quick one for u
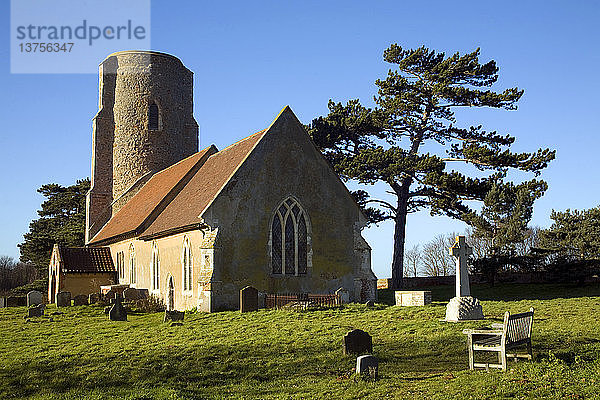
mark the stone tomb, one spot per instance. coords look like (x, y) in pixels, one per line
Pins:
(248, 299)
(358, 342)
(80, 300)
(408, 298)
(34, 298)
(63, 299)
(367, 365)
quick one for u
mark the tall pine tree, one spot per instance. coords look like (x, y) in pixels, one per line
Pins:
(415, 107)
(62, 221)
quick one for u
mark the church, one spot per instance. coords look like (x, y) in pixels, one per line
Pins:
(192, 226)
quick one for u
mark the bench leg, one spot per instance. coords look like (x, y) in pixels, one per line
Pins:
(502, 358)
(471, 355)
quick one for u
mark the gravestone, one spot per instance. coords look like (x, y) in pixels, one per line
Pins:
(248, 299)
(462, 307)
(16, 301)
(36, 310)
(370, 303)
(2, 302)
(367, 365)
(343, 296)
(143, 293)
(93, 298)
(408, 298)
(357, 342)
(117, 311)
(80, 300)
(63, 299)
(174, 315)
(110, 296)
(131, 294)
(34, 298)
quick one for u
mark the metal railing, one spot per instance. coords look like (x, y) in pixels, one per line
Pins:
(276, 300)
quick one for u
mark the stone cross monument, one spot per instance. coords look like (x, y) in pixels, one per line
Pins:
(460, 250)
(462, 307)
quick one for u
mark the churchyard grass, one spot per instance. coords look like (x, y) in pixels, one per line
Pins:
(81, 354)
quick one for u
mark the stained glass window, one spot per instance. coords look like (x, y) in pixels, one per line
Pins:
(290, 246)
(302, 246)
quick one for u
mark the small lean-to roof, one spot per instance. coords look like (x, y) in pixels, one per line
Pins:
(175, 197)
(86, 259)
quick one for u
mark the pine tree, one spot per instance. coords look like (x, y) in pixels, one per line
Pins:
(62, 221)
(414, 113)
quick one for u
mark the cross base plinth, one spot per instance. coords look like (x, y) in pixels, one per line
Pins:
(463, 309)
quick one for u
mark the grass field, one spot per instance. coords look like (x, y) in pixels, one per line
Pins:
(297, 354)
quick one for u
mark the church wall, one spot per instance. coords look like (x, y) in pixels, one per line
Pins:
(285, 162)
(170, 251)
(85, 283)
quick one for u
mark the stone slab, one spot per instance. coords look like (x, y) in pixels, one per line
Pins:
(367, 365)
(63, 299)
(16, 301)
(411, 298)
(80, 300)
(34, 298)
(248, 299)
(358, 342)
(36, 311)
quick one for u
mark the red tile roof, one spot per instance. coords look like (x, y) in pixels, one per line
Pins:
(86, 259)
(176, 196)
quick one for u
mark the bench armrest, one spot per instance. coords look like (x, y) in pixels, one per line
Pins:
(482, 332)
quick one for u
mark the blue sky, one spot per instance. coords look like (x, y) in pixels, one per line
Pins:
(252, 58)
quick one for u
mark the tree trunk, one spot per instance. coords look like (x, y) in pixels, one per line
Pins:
(399, 238)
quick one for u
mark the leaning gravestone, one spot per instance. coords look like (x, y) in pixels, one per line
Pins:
(117, 311)
(131, 294)
(357, 342)
(462, 307)
(343, 295)
(34, 298)
(367, 365)
(174, 315)
(36, 310)
(63, 299)
(80, 300)
(248, 299)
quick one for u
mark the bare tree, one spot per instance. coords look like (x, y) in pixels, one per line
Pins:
(436, 259)
(14, 274)
(412, 261)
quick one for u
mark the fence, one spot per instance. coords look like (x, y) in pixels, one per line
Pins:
(321, 300)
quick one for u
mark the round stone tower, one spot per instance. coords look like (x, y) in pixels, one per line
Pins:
(145, 124)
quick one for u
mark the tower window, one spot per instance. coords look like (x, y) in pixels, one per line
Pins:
(153, 117)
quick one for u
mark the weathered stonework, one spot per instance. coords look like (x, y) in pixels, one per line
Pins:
(125, 150)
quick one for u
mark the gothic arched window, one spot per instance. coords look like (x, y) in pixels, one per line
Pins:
(153, 116)
(186, 262)
(289, 239)
(155, 268)
(132, 266)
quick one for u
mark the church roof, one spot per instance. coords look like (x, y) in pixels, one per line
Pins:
(86, 259)
(176, 197)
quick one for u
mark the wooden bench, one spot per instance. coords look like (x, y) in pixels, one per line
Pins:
(515, 332)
